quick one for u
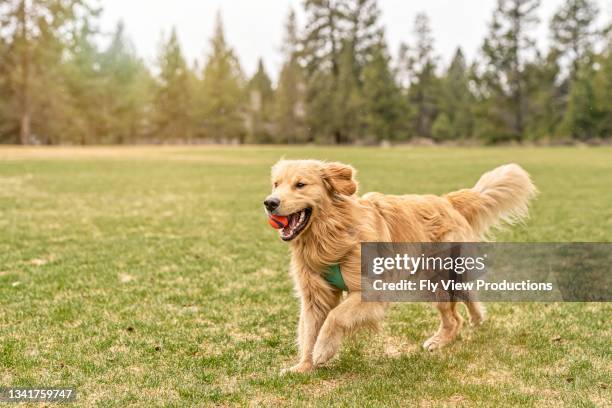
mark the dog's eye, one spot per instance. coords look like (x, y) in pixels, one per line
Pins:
(300, 185)
(275, 185)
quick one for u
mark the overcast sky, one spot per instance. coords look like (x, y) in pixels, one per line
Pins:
(254, 28)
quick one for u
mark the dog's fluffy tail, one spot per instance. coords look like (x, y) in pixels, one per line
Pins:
(501, 195)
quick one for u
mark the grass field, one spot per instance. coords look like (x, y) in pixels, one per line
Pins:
(149, 277)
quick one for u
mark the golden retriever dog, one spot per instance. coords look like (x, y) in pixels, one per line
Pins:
(327, 221)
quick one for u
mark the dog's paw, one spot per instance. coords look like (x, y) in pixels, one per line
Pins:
(477, 316)
(477, 321)
(322, 354)
(436, 342)
(298, 368)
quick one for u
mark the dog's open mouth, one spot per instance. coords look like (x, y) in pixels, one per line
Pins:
(297, 223)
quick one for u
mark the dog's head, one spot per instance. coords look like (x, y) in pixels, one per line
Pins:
(303, 190)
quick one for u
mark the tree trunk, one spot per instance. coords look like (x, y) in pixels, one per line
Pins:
(520, 128)
(25, 120)
(24, 128)
(338, 139)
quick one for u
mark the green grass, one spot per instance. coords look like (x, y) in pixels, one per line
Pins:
(149, 277)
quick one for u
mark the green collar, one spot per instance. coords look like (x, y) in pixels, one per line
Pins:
(334, 277)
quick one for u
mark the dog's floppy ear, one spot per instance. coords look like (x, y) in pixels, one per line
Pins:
(340, 178)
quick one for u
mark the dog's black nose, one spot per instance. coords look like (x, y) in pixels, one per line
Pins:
(271, 203)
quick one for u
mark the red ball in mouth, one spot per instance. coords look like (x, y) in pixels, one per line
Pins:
(278, 221)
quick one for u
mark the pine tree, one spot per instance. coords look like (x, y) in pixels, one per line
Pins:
(546, 102)
(320, 55)
(289, 110)
(85, 84)
(603, 88)
(420, 63)
(582, 114)
(338, 42)
(261, 100)
(573, 32)
(323, 35)
(491, 118)
(127, 91)
(364, 33)
(222, 97)
(35, 32)
(506, 50)
(361, 44)
(347, 100)
(173, 98)
(109, 91)
(383, 101)
(456, 103)
(7, 127)
(589, 110)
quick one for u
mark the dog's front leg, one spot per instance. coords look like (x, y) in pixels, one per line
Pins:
(317, 298)
(312, 317)
(351, 314)
(310, 323)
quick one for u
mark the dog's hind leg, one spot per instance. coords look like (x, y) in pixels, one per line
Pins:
(348, 316)
(450, 324)
(476, 310)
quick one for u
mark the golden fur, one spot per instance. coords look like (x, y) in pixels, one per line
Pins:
(341, 220)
